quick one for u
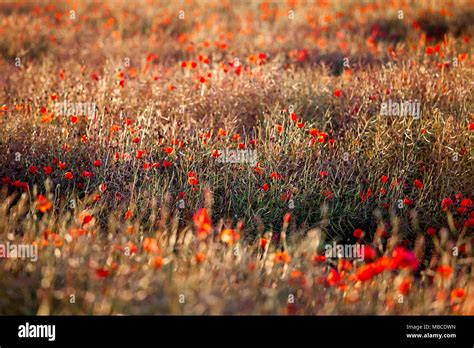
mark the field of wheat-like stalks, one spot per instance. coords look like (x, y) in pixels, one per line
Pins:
(236, 157)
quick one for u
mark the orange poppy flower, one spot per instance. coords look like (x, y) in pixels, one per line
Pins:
(43, 204)
(445, 271)
(333, 278)
(150, 245)
(216, 153)
(157, 262)
(366, 272)
(358, 233)
(404, 286)
(229, 236)
(446, 203)
(282, 257)
(200, 257)
(47, 118)
(457, 294)
(193, 181)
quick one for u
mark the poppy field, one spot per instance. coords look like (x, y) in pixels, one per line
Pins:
(236, 157)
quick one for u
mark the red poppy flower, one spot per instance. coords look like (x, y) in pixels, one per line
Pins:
(358, 233)
(68, 175)
(275, 176)
(446, 203)
(102, 273)
(369, 253)
(328, 194)
(200, 257)
(366, 272)
(404, 286)
(333, 278)
(193, 181)
(86, 219)
(157, 262)
(215, 153)
(313, 132)
(337, 93)
(431, 231)
(444, 271)
(43, 204)
(47, 170)
(466, 203)
(322, 137)
(282, 257)
(150, 245)
(365, 196)
(168, 150)
(457, 294)
(33, 169)
(203, 223)
(403, 258)
(229, 236)
(265, 187)
(319, 258)
(384, 263)
(418, 184)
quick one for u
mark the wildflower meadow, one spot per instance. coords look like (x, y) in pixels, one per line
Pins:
(216, 157)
